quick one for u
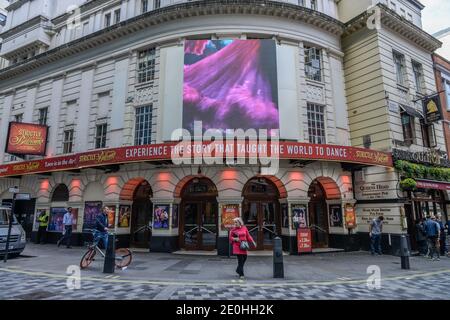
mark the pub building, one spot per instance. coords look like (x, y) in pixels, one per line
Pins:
(114, 84)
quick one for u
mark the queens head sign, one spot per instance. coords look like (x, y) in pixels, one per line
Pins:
(26, 139)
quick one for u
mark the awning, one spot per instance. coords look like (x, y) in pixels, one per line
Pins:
(412, 112)
(430, 184)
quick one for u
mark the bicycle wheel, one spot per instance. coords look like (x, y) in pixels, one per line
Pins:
(87, 258)
(123, 258)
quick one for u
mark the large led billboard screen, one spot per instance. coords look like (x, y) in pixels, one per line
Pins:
(230, 84)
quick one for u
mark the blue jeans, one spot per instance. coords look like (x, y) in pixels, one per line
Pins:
(375, 244)
(101, 236)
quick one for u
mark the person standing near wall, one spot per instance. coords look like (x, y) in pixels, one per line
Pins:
(421, 238)
(375, 232)
(432, 229)
(67, 222)
(240, 239)
(442, 237)
(43, 219)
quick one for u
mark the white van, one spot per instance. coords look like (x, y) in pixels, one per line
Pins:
(17, 240)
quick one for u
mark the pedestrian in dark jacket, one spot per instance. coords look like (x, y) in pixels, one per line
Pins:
(421, 238)
(101, 227)
(443, 236)
(238, 235)
(432, 229)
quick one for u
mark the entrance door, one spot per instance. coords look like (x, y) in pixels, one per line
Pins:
(318, 218)
(141, 223)
(261, 219)
(200, 220)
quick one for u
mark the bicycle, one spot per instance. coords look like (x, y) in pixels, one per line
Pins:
(123, 255)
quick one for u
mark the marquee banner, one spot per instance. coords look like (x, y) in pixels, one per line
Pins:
(205, 150)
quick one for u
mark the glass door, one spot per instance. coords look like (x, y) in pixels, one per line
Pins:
(191, 227)
(319, 224)
(141, 228)
(261, 221)
(269, 224)
(208, 226)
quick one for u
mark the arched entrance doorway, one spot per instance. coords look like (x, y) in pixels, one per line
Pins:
(199, 215)
(141, 216)
(260, 211)
(321, 190)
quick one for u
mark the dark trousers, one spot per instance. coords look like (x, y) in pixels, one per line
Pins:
(422, 246)
(67, 236)
(41, 236)
(443, 243)
(375, 244)
(241, 262)
(432, 246)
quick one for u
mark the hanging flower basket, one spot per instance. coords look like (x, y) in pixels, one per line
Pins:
(408, 185)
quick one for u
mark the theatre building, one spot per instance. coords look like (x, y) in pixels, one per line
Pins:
(94, 99)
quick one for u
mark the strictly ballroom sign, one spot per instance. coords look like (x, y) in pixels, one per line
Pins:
(201, 153)
(26, 139)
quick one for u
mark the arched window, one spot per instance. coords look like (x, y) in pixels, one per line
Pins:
(60, 194)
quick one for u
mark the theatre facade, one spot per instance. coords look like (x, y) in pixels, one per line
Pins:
(111, 117)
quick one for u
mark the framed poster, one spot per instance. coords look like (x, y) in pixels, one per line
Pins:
(91, 210)
(335, 212)
(299, 216)
(111, 217)
(124, 216)
(74, 219)
(175, 216)
(161, 216)
(285, 215)
(56, 219)
(229, 212)
(350, 216)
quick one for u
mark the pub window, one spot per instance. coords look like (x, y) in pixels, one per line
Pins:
(428, 135)
(143, 129)
(447, 92)
(146, 65)
(43, 114)
(408, 127)
(400, 68)
(418, 76)
(316, 123)
(313, 63)
(100, 136)
(68, 141)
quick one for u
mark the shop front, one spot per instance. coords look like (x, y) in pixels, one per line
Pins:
(158, 206)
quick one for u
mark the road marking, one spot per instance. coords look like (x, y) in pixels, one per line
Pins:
(221, 284)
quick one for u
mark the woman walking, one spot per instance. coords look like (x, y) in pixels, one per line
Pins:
(240, 239)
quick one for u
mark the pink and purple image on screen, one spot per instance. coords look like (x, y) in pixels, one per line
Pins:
(230, 84)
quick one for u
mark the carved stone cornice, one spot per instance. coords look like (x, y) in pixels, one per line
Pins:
(175, 13)
(393, 21)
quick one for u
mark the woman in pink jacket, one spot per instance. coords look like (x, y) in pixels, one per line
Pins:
(237, 235)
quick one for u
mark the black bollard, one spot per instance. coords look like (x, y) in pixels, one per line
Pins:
(110, 255)
(404, 253)
(278, 267)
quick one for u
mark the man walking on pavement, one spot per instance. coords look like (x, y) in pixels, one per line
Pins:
(67, 222)
(442, 237)
(375, 231)
(432, 229)
(41, 236)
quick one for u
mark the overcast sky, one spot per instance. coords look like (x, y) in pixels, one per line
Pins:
(436, 15)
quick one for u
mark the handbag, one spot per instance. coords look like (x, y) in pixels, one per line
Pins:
(244, 245)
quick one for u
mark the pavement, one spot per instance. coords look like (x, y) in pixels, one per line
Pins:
(43, 272)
